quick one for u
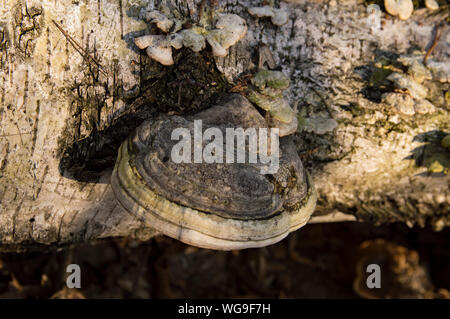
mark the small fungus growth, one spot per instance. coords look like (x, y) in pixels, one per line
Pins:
(267, 93)
(222, 33)
(278, 17)
(401, 8)
(438, 71)
(432, 4)
(415, 95)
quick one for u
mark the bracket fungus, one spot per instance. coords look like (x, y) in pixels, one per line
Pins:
(230, 28)
(215, 205)
(438, 71)
(162, 22)
(402, 81)
(225, 31)
(401, 8)
(267, 93)
(277, 16)
(413, 91)
(157, 48)
(432, 4)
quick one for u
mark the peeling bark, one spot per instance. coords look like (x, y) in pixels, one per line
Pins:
(73, 86)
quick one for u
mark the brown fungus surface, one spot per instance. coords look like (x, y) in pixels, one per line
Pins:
(218, 206)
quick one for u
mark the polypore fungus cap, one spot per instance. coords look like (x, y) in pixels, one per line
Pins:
(273, 79)
(162, 21)
(161, 54)
(145, 41)
(158, 48)
(402, 8)
(278, 16)
(193, 40)
(432, 4)
(268, 95)
(402, 81)
(276, 106)
(285, 129)
(230, 28)
(233, 23)
(219, 206)
(217, 39)
(176, 40)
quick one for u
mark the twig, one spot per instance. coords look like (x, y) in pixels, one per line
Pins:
(17, 134)
(437, 36)
(86, 56)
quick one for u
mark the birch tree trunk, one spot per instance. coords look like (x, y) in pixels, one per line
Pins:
(73, 86)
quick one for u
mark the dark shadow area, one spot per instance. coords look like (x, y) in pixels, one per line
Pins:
(85, 159)
(318, 261)
(375, 75)
(192, 84)
(432, 155)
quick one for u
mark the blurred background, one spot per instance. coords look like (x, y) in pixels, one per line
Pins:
(318, 261)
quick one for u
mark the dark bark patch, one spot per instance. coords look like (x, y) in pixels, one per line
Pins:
(27, 23)
(88, 146)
